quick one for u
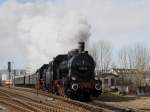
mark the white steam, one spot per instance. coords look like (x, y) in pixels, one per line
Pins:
(44, 37)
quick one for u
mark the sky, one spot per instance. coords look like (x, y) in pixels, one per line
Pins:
(32, 32)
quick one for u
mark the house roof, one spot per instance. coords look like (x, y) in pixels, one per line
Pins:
(118, 71)
(107, 75)
(121, 71)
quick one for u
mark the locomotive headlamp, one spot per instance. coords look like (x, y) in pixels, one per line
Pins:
(73, 78)
(97, 86)
(96, 78)
(74, 86)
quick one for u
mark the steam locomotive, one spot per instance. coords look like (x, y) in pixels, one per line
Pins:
(70, 75)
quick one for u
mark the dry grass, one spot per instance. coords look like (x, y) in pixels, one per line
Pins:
(138, 102)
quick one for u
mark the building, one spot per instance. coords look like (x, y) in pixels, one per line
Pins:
(108, 79)
(147, 78)
(126, 80)
(132, 76)
(132, 81)
(126, 76)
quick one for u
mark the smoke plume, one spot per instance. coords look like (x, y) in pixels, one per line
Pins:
(45, 37)
(38, 31)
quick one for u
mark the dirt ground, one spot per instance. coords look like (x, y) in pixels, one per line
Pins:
(5, 108)
(137, 102)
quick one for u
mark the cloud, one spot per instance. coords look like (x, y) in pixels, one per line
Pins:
(43, 27)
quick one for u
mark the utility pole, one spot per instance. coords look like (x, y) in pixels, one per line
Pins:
(37, 83)
(14, 78)
(9, 70)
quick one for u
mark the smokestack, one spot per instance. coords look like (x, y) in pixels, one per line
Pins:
(81, 46)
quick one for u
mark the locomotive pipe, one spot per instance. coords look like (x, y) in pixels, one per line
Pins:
(81, 46)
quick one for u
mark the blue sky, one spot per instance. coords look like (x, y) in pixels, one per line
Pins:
(1, 1)
(121, 22)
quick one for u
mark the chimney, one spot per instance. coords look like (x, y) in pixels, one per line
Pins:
(81, 46)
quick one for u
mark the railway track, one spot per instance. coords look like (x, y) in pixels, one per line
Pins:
(30, 103)
(8, 101)
(94, 106)
(25, 101)
(76, 105)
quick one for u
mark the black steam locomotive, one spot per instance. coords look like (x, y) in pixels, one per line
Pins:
(71, 75)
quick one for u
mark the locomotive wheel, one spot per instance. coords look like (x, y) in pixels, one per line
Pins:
(61, 91)
(67, 92)
(55, 90)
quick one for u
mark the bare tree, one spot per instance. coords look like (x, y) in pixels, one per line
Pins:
(126, 58)
(135, 57)
(101, 51)
(141, 57)
(123, 58)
